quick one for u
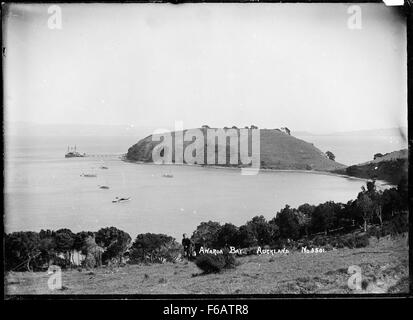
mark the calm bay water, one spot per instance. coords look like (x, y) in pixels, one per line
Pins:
(44, 190)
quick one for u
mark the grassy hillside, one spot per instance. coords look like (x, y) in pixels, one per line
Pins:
(391, 167)
(384, 266)
(278, 150)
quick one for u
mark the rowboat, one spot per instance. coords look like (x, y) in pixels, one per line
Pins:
(118, 200)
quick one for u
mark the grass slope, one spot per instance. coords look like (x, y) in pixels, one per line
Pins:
(392, 167)
(384, 265)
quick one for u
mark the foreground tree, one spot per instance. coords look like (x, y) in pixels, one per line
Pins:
(114, 241)
(228, 235)
(305, 212)
(287, 222)
(366, 206)
(263, 231)
(151, 247)
(65, 240)
(325, 216)
(247, 236)
(206, 234)
(21, 248)
(47, 246)
(80, 240)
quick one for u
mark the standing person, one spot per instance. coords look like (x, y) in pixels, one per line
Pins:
(186, 243)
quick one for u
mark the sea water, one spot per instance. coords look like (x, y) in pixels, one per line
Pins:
(44, 190)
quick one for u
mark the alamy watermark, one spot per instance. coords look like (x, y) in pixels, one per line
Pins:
(209, 146)
(354, 21)
(355, 280)
(55, 17)
(55, 279)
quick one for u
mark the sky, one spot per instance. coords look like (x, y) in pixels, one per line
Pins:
(149, 65)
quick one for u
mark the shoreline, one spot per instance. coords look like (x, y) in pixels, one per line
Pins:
(381, 183)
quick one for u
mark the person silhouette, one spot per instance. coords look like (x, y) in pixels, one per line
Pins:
(186, 243)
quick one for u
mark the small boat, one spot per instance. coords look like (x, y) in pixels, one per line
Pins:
(103, 187)
(88, 175)
(167, 175)
(118, 200)
(103, 167)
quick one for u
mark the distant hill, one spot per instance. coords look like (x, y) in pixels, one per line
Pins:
(384, 132)
(391, 167)
(278, 151)
(29, 129)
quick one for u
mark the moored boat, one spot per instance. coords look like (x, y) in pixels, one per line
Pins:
(118, 200)
(88, 175)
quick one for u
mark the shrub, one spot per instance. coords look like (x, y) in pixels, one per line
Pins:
(328, 247)
(169, 252)
(230, 261)
(320, 241)
(337, 242)
(361, 241)
(397, 225)
(210, 263)
(250, 251)
(89, 262)
(281, 244)
(352, 241)
(374, 232)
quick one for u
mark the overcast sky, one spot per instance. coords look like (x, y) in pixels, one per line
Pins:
(270, 65)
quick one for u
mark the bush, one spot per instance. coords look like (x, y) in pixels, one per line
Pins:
(395, 226)
(338, 242)
(250, 251)
(328, 247)
(89, 262)
(210, 263)
(374, 232)
(361, 241)
(281, 244)
(352, 241)
(320, 241)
